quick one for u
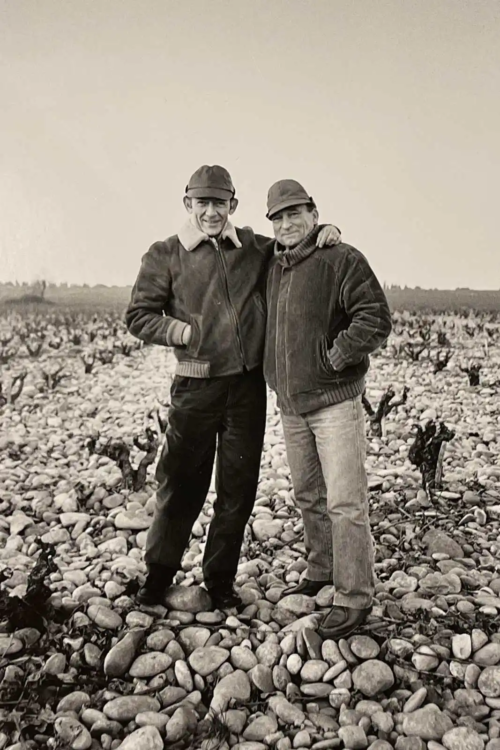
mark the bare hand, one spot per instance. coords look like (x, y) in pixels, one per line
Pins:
(328, 236)
(186, 335)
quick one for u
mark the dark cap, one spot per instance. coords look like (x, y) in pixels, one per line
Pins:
(286, 193)
(211, 182)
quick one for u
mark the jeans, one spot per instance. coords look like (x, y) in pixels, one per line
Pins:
(221, 417)
(326, 452)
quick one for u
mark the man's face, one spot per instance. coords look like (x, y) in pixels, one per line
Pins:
(292, 225)
(210, 214)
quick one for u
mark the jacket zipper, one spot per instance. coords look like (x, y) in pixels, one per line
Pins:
(287, 379)
(230, 304)
(281, 328)
(276, 357)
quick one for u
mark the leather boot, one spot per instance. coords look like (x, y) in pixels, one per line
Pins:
(340, 622)
(158, 579)
(224, 596)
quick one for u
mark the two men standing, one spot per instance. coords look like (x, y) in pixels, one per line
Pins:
(203, 292)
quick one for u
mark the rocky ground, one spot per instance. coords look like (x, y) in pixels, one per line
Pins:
(82, 667)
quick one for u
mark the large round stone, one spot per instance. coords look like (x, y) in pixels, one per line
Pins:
(373, 677)
(489, 682)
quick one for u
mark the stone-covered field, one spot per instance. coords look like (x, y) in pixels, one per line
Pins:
(82, 409)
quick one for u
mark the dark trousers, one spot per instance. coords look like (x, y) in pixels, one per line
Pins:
(209, 417)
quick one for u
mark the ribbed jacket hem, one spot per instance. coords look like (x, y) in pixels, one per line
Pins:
(189, 368)
(303, 403)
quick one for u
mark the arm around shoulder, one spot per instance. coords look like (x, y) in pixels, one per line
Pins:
(263, 244)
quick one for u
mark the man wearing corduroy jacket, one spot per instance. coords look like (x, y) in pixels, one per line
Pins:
(201, 292)
(326, 314)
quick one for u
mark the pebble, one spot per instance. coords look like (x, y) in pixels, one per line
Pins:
(181, 725)
(9, 645)
(233, 686)
(373, 677)
(478, 639)
(150, 664)
(104, 617)
(150, 718)
(428, 723)
(265, 529)
(489, 682)
(144, 738)
(488, 655)
(188, 599)
(262, 677)
(415, 700)
(298, 604)
(205, 660)
(268, 653)
(183, 675)
(462, 738)
(364, 647)
(313, 670)
(288, 713)
(55, 664)
(261, 727)
(74, 701)
(439, 541)
(132, 521)
(126, 707)
(72, 733)
(461, 645)
(121, 655)
(425, 659)
(353, 737)
(193, 637)
(243, 658)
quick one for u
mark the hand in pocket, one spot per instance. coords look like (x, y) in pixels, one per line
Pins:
(186, 335)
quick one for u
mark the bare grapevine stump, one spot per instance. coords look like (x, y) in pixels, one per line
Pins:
(425, 452)
(472, 372)
(386, 405)
(441, 361)
(118, 451)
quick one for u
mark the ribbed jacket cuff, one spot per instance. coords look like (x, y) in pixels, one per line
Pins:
(336, 359)
(175, 331)
(193, 369)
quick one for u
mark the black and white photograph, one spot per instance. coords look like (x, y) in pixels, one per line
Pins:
(249, 375)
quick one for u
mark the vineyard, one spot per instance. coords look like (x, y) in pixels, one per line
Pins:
(83, 409)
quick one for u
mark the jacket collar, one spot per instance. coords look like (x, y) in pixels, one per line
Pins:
(190, 236)
(302, 250)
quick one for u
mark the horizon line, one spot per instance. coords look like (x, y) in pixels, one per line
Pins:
(74, 285)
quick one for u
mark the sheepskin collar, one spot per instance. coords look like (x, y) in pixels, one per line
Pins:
(190, 236)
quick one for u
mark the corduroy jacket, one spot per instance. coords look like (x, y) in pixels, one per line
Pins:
(217, 287)
(326, 313)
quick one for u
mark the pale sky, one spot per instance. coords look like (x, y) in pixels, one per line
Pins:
(388, 111)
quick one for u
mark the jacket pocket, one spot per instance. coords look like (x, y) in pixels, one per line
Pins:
(193, 348)
(324, 358)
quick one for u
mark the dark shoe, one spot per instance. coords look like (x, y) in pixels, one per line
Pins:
(306, 588)
(340, 622)
(155, 586)
(224, 597)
